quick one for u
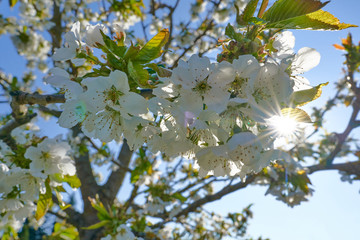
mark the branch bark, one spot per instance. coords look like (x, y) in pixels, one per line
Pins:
(349, 168)
(114, 182)
(35, 98)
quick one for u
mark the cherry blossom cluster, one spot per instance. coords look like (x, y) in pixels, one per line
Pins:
(28, 172)
(216, 113)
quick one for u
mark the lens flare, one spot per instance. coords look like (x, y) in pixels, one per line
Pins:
(283, 126)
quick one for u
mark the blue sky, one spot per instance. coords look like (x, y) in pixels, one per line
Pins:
(334, 211)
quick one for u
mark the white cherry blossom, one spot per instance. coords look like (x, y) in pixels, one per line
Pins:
(50, 157)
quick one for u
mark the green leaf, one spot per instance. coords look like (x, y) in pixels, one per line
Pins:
(300, 180)
(73, 181)
(44, 202)
(139, 226)
(114, 61)
(249, 10)
(12, 3)
(296, 114)
(98, 225)
(230, 32)
(180, 197)
(303, 97)
(112, 47)
(319, 20)
(131, 52)
(144, 167)
(138, 74)
(263, 7)
(257, 21)
(152, 49)
(162, 72)
(64, 232)
(99, 207)
(285, 9)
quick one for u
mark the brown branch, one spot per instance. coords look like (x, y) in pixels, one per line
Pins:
(114, 182)
(12, 124)
(5, 131)
(349, 167)
(57, 29)
(344, 135)
(35, 98)
(131, 198)
(210, 198)
(52, 112)
(171, 28)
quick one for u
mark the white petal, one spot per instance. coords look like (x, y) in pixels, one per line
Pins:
(242, 139)
(120, 80)
(132, 103)
(62, 54)
(305, 59)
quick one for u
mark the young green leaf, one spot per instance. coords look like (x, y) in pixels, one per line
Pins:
(12, 3)
(303, 97)
(162, 72)
(319, 20)
(263, 7)
(230, 32)
(98, 225)
(152, 49)
(99, 207)
(296, 114)
(138, 74)
(249, 10)
(73, 181)
(44, 202)
(285, 9)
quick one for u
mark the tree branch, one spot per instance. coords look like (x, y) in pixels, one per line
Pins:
(35, 98)
(210, 198)
(116, 178)
(349, 167)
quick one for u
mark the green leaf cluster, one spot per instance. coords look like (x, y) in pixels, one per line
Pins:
(291, 14)
(133, 60)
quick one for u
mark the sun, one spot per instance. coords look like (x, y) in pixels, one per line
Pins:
(283, 126)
